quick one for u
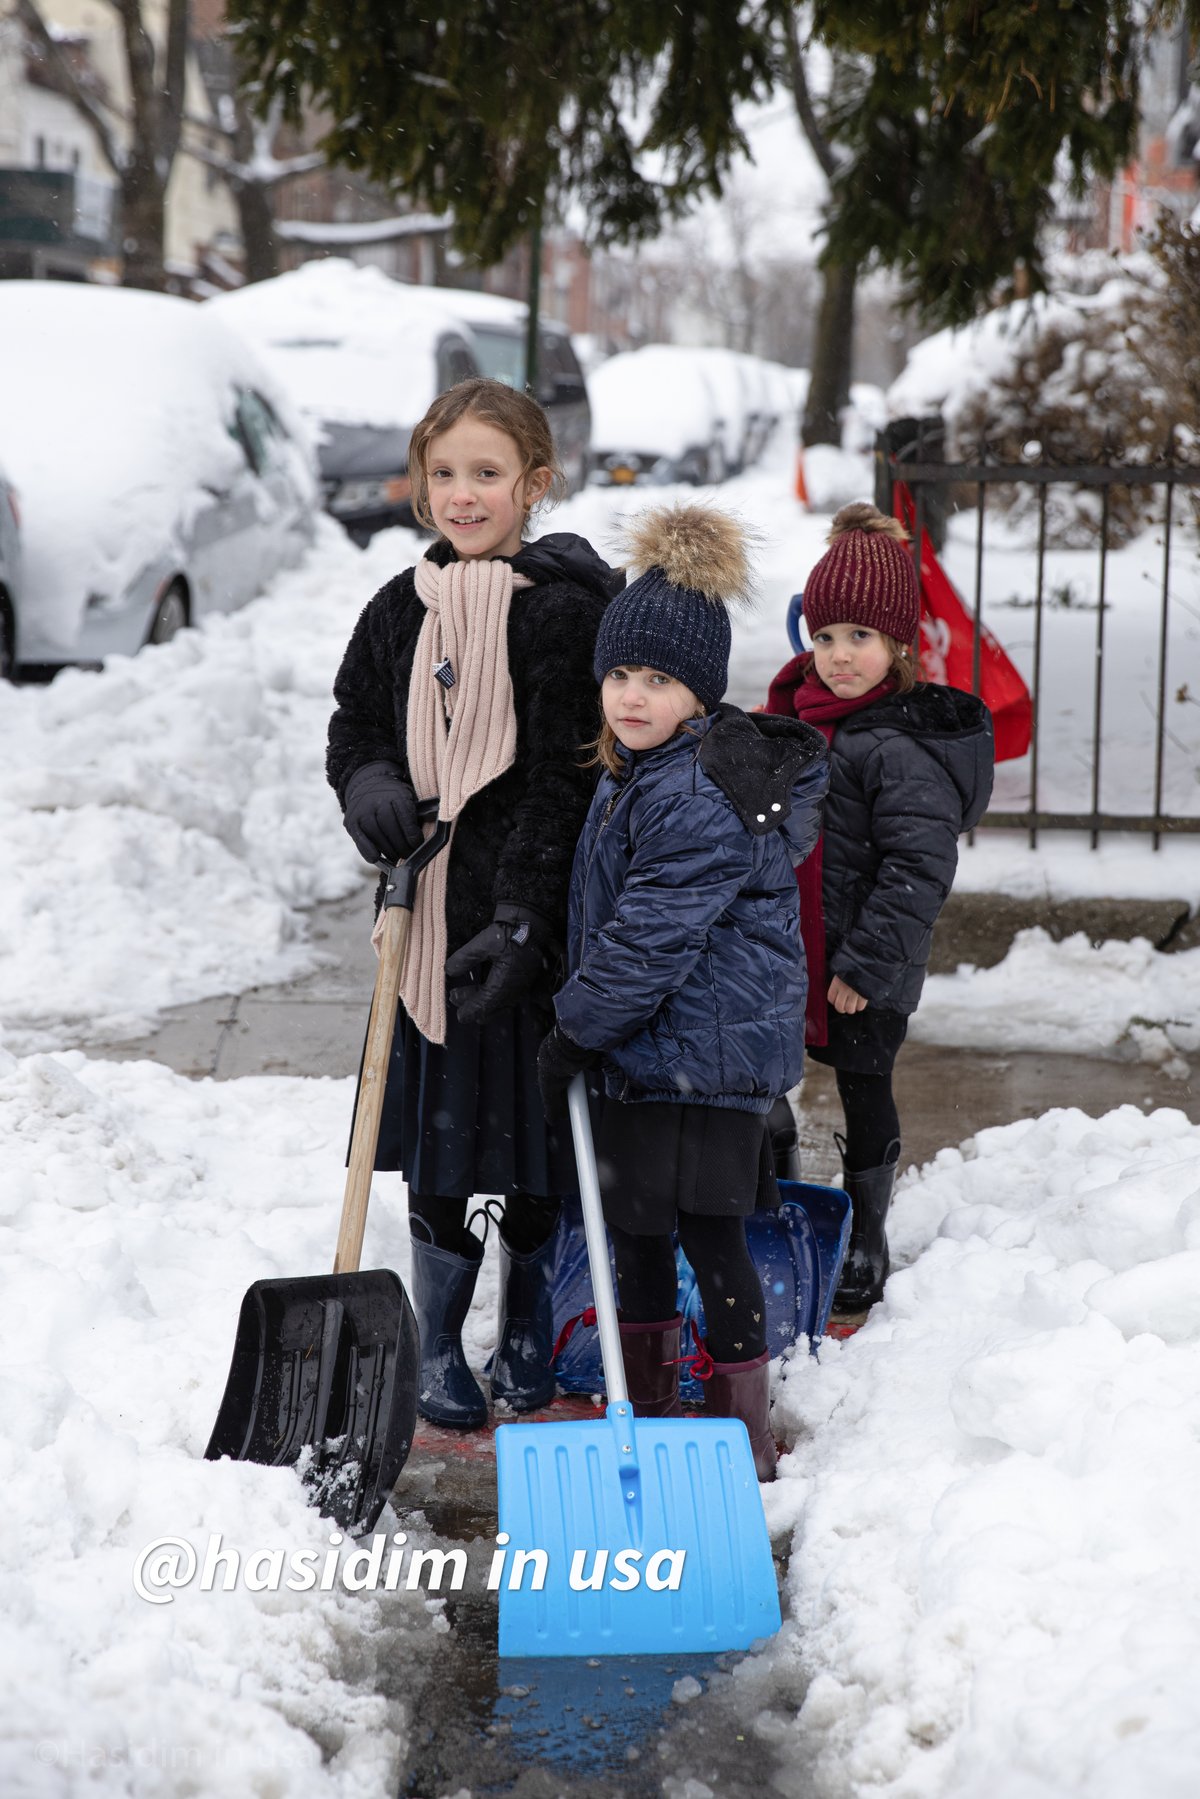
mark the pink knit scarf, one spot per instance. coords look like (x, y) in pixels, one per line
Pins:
(460, 738)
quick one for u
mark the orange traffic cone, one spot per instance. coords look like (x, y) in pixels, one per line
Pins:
(801, 489)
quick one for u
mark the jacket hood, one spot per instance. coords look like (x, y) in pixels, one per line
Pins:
(953, 726)
(756, 760)
(561, 556)
(564, 556)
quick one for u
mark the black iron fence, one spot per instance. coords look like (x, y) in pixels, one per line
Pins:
(942, 490)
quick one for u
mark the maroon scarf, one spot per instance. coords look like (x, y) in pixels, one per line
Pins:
(797, 692)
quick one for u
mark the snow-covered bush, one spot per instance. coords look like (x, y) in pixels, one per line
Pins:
(1107, 374)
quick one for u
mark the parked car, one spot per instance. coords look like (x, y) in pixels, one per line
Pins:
(160, 472)
(655, 418)
(499, 328)
(362, 356)
(10, 574)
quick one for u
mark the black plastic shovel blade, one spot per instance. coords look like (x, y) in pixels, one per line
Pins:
(326, 1364)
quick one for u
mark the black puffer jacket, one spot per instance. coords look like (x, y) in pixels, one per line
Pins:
(515, 840)
(906, 776)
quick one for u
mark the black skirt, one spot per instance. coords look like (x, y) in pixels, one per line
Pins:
(656, 1159)
(466, 1117)
(865, 1042)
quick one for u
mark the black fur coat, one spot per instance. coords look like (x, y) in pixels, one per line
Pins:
(515, 840)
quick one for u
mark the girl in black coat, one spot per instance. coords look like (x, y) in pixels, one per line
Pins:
(910, 769)
(470, 677)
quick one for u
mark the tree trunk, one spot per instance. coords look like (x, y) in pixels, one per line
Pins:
(832, 356)
(143, 219)
(256, 219)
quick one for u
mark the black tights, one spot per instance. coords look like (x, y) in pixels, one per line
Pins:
(872, 1121)
(528, 1221)
(734, 1310)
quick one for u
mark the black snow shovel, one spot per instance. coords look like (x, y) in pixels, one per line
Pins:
(325, 1367)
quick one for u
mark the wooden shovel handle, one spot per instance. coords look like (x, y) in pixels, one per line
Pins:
(371, 1087)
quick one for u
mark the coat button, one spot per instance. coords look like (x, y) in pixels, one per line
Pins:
(762, 818)
(777, 807)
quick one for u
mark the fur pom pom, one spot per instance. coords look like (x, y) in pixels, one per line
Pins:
(862, 516)
(696, 547)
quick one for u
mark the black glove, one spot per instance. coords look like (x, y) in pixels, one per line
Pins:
(517, 944)
(560, 1059)
(380, 813)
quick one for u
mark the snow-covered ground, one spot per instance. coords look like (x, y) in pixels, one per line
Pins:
(166, 822)
(992, 1575)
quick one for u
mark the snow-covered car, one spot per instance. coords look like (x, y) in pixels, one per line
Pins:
(362, 356)
(655, 418)
(158, 473)
(498, 329)
(729, 383)
(10, 574)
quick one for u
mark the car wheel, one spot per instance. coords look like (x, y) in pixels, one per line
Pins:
(170, 615)
(8, 659)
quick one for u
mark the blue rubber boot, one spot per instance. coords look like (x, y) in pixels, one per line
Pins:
(522, 1374)
(443, 1283)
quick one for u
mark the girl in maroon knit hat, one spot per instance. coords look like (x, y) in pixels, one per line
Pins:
(910, 768)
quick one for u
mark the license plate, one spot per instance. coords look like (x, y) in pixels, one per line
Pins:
(622, 475)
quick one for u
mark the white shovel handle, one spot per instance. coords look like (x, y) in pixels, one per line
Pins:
(597, 1244)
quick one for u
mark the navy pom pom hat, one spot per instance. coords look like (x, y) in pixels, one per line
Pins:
(866, 577)
(673, 617)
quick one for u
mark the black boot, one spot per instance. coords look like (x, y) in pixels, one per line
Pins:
(785, 1140)
(866, 1266)
(522, 1374)
(442, 1284)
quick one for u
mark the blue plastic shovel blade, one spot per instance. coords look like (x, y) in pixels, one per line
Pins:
(826, 1212)
(632, 1536)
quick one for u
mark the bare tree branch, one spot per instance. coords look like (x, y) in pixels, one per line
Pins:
(84, 103)
(805, 110)
(143, 92)
(172, 100)
(248, 174)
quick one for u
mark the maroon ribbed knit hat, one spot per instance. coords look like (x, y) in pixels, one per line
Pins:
(866, 577)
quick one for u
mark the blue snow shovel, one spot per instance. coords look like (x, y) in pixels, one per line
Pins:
(636, 1535)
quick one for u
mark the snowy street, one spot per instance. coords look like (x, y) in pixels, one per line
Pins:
(985, 1518)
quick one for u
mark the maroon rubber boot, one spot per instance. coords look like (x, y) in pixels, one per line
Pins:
(743, 1390)
(650, 1353)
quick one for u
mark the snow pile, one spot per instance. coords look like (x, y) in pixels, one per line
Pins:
(993, 1584)
(115, 429)
(1126, 1000)
(164, 821)
(348, 343)
(833, 478)
(136, 1208)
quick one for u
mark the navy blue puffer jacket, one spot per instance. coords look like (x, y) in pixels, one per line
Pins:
(686, 963)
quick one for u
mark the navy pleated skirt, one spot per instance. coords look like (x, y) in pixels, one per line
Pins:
(466, 1117)
(656, 1159)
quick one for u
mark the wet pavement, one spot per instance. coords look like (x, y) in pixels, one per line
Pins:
(315, 1026)
(617, 1728)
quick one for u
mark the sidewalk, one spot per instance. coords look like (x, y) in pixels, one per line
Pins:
(315, 1026)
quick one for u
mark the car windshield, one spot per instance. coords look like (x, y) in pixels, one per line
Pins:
(500, 354)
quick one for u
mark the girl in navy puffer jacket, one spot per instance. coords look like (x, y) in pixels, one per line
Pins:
(687, 974)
